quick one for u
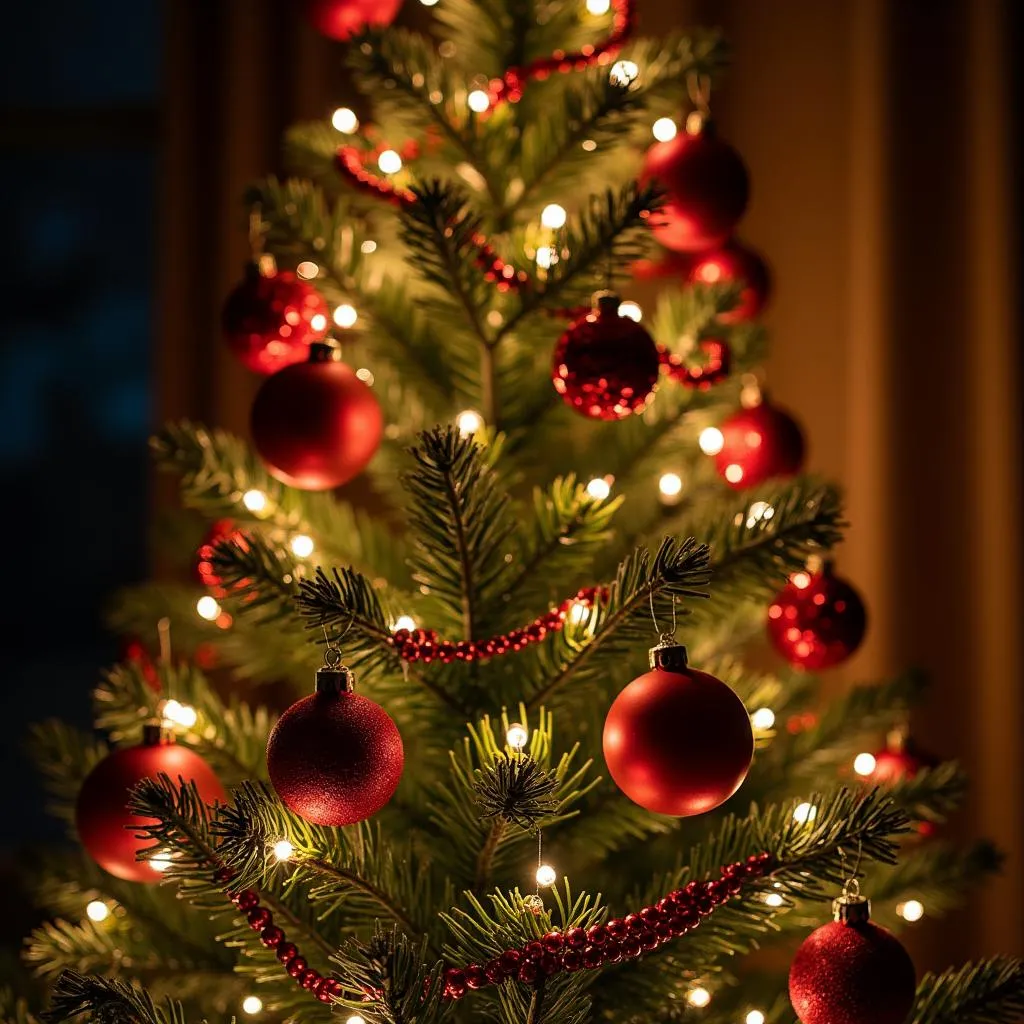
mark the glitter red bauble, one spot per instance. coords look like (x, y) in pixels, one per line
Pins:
(734, 262)
(341, 19)
(816, 621)
(269, 320)
(678, 742)
(335, 758)
(605, 365)
(856, 973)
(101, 812)
(316, 425)
(706, 185)
(758, 444)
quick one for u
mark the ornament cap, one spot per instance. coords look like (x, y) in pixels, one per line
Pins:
(155, 735)
(335, 679)
(668, 656)
(851, 909)
(607, 303)
(325, 351)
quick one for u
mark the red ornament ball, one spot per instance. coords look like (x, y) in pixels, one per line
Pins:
(817, 621)
(316, 425)
(758, 444)
(678, 741)
(101, 812)
(852, 973)
(269, 320)
(734, 262)
(707, 189)
(605, 365)
(221, 530)
(335, 757)
(341, 19)
(901, 759)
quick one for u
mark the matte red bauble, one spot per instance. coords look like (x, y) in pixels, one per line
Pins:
(707, 189)
(817, 621)
(852, 972)
(340, 19)
(677, 741)
(758, 444)
(101, 812)
(335, 757)
(735, 262)
(269, 320)
(316, 425)
(606, 365)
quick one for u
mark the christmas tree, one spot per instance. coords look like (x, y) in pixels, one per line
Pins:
(493, 805)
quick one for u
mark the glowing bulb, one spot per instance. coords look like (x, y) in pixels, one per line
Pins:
(345, 120)
(254, 501)
(389, 162)
(754, 1017)
(283, 849)
(664, 129)
(800, 580)
(307, 270)
(670, 484)
(599, 488)
(734, 472)
(405, 622)
(598, 7)
(318, 322)
(97, 911)
(588, 145)
(577, 612)
(161, 862)
(805, 813)
(365, 376)
(698, 997)
(516, 736)
(912, 910)
(302, 546)
(624, 72)
(763, 718)
(546, 257)
(426, 3)
(773, 899)
(546, 875)
(469, 421)
(864, 764)
(355, 1018)
(478, 101)
(368, 246)
(759, 511)
(345, 315)
(553, 216)
(207, 608)
(632, 310)
(711, 440)
(252, 1004)
(181, 714)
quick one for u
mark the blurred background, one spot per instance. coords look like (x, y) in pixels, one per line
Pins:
(883, 141)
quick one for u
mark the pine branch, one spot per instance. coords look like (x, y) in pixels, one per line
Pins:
(108, 1001)
(14, 1010)
(64, 756)
(986, 992)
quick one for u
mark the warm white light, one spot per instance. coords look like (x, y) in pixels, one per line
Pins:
(553, 216)
(345, 120)
(307, 270)
(405, 622)
(355, 1018)
(182, 714)
(759, 511)
(478, 101)
(426, 3)
(207, 608)
(97, 911)
(864, 764)
(912, 910)
(773, 899)
(698, 997)
(368, 246)
(664, 129)
(546, 875)
(389, 162)
(302, 546)
(763, 718)
(318, 322)
(670, 484)
(546, 257)
(624, 72)
(805, 813)
(599, 488)
(599, 7)
(517, 736)
(800, 580)
(632, 310)
(469, 421)
(711, 440)
(161, 862)
(254, 501)
(283, 849)
(365, 375)
(578, 612)
(734, 472)
(252, 1004)
(754, 1017)
(345, 315)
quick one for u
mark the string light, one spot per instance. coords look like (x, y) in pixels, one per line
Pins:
(254, 501)
(97, 911)
(864, 764)
(588, 145)
(711, 440)
(699, 997)
(207, 608)
(368, 246)
(405, 622)
(912, 910)
(389, 162)
(478, 101)
(800, 580)
(598, 7)
(182, 714)
(318, 322)
(773, 899)
(624, 72)
(734, 472)
(517, 736)
(763, 718)
(469, 421)
(546, 257)
(553, 216)
(546, 875)
(632, 310)
(307, 270)
(355, 1018)
(664, 129)
(599, 488)
(345, 315)
(759, 511)
(345, 120)
(302, 545)
(670, 485)
(754, 1017)
(283, 849)
(161, 862)
(252, 1005)
(805, 813)
(365, 376)
(426, 3)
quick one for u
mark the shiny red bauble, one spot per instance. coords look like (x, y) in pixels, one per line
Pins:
(817, 620)
(316, 425)
(901, 759)
(341, 19)
(757, 444)
(678, 741)
(734, 262)
(605, 365)
(221, 530)
(706, 185)
(335, 757)
(852, 972)
(270, 320)
(101, 812)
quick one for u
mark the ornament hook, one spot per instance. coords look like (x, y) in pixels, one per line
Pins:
(663, 637)
(334, 677)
